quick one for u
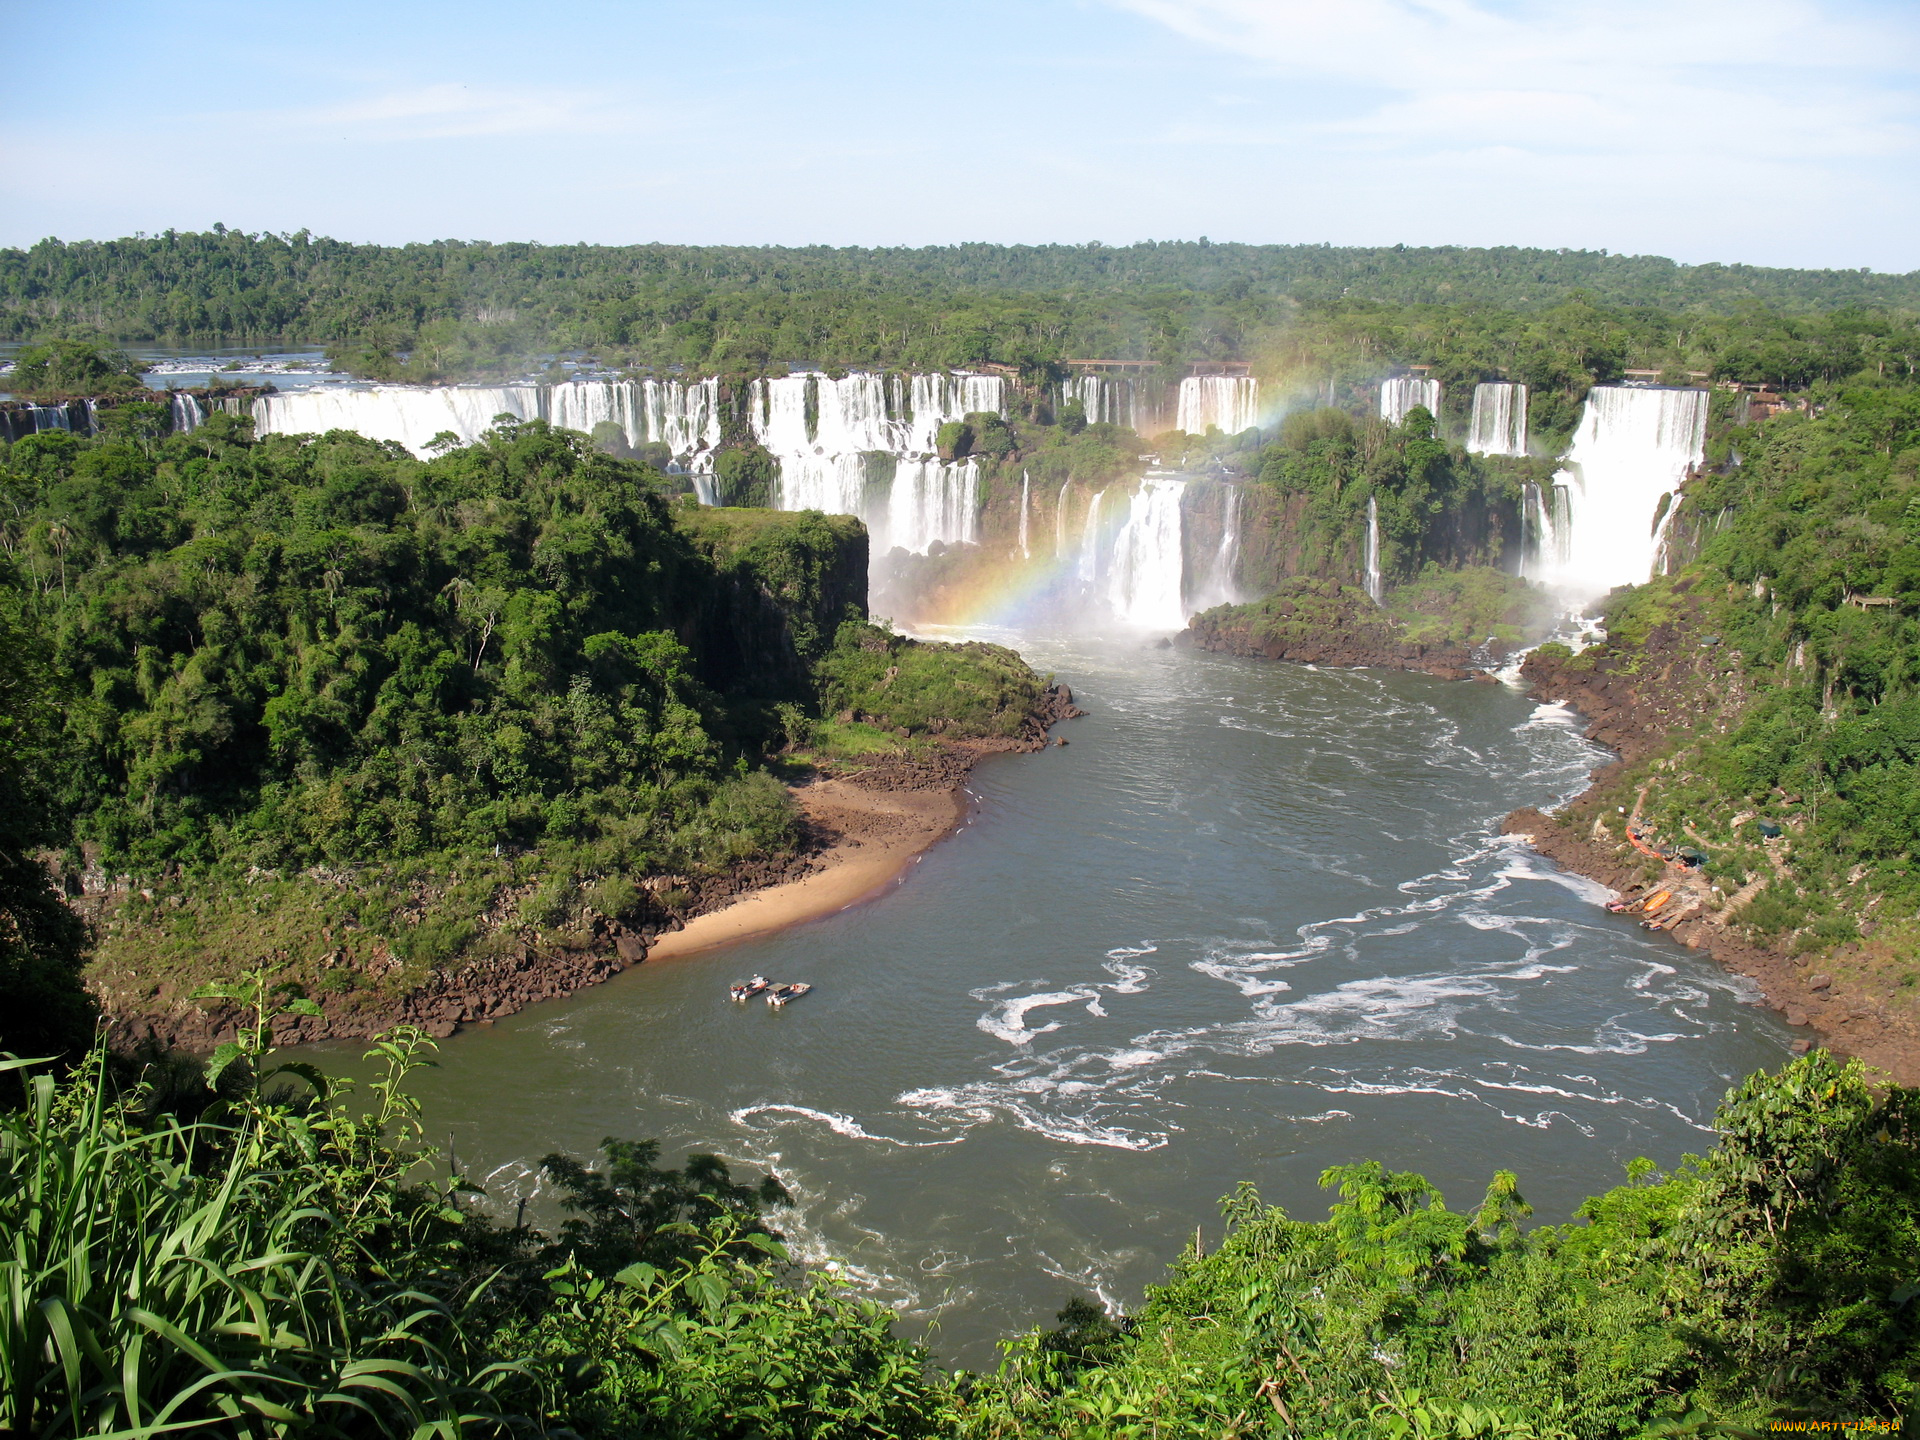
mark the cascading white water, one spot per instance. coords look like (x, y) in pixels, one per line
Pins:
(1374, 586)
(1096, 397)
(864, 445)
(930, 500)
(1543, 529)
(1026, 506)
(1404, 392)
(1499, 424)
(186, 413)
(936, 399)
(1632, 447)
(1060, 520)
(1088, 568)
(1229, 402)
(1145, 579)
(684, 417)
(1211, 571)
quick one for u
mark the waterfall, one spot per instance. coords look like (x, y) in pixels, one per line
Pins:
(1088, 568)
(1096, 396)
(1229, 402)
(1499, 425)
(865, 445)
(186, 412)
(685, 417)
(1026, 504)
(1060, 521)
(1631, 448)
(1403, 392)
(936, 399)
(930, 500)
(1145, 579)
(52, 417)
(1374, 587)
(1212, 570)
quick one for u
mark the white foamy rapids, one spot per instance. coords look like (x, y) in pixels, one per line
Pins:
(1499, 424)
(864, 445)
(1230, 403)
(684, 417)
(759, 1117)
(1633, 447)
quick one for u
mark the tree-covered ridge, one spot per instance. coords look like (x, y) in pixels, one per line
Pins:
(261, 1254)
(380, 716)
(458, 309)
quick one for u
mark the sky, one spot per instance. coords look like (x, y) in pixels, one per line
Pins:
(1776, 132)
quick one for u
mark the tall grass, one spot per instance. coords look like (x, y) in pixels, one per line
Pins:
(229, 1276)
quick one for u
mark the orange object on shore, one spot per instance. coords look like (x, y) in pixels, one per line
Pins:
(1657, 899)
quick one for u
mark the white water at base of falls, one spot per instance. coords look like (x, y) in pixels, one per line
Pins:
(1145, 580)
(1633, 447)
(1374, 587)
(1229, 403)
(1499, 424)
(1403, 393)
(685, 417)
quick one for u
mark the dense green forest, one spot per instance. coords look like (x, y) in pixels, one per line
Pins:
(313, 686)
(457, 310)
(264, 1252)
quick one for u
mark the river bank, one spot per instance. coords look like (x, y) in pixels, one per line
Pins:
(1642, 706)
(863, 822)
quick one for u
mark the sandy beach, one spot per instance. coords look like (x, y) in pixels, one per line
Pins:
(879, 834)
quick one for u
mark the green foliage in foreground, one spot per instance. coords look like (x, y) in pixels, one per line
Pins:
(279, 1265)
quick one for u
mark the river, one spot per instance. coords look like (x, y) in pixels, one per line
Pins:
(1253, 921)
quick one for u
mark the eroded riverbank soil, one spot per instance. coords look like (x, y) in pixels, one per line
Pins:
(1637, 703)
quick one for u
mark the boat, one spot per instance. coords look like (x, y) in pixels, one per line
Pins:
(780, 994)
(745, 989)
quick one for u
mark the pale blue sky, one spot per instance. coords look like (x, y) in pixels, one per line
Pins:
(1773, 131)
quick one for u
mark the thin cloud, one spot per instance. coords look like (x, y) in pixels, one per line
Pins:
(1638, 76)
(449, 111)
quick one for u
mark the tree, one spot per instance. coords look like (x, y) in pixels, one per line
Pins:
(74, 367)
(44, 1009)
